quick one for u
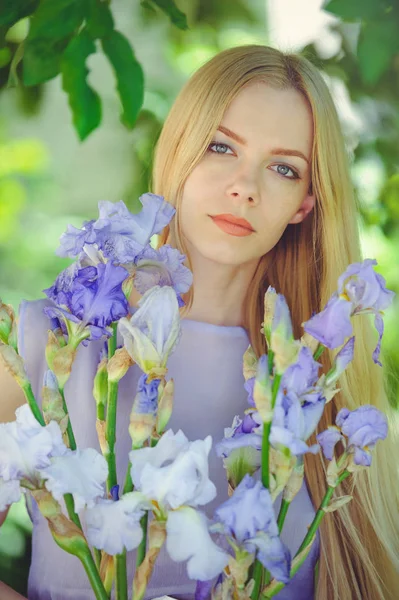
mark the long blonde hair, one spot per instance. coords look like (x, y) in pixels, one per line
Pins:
(359, 556)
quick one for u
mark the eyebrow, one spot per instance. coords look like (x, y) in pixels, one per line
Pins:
(279, 151)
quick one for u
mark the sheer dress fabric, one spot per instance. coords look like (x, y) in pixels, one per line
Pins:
(209, 391)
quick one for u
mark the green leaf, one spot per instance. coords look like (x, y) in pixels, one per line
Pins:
(129, 75)
(148, 6)
(356, 10)
(56, 20)
(378, 42)
(99, 19)
(13, 79)
(13, 11)
(169, 7)
(52, 28)
(41, 60)
(83, 100)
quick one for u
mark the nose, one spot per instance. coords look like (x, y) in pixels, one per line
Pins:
(243, 189)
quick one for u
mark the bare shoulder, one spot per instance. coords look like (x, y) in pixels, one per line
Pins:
(7, 593)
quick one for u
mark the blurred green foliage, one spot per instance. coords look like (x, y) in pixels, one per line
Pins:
(15, 547)
(34, 207)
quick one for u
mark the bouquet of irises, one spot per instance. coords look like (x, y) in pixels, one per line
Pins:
(167, 478)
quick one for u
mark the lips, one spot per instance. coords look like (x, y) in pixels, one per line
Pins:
(234, 220)
(232, 228)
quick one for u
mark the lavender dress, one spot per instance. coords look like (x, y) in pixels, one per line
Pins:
(207, 370)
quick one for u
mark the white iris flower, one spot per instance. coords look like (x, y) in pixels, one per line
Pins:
(81, 473)
(174, 476)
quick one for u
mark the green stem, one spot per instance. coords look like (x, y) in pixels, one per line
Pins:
(320, 513)
(70, 505)
(285, 504)
(257, 576)
(265, 454)
(31, 400)
(69, 430)
(121, 576)
(110, 428)
(69, 501)
(141, 550)
(277, 586)
(97, 557)
(319, 351)
(101, 412)
(93, 575)
(128, 486)
(260, 572)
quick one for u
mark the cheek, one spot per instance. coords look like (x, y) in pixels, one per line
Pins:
(198, 194)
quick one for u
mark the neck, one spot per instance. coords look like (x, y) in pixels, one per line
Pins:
(219, 291)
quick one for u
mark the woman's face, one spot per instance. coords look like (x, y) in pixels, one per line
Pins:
(254, 178)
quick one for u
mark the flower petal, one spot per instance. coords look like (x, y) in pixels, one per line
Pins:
(273, 555)
(328, 439)
(188, 538)
(165, 451)
(10, 492)
(81, 473)
(114, 526)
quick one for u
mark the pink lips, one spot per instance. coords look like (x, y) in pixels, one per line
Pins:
(233, 225)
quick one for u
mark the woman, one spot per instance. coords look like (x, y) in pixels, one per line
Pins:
(253, 135)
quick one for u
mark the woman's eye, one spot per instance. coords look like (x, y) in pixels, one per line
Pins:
(287, 168)
(218, 144)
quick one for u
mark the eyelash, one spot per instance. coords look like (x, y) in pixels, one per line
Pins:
(215, 143)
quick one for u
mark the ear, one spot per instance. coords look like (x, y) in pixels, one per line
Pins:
(305, 208)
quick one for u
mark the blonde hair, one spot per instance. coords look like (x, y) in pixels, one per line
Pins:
(359, 556)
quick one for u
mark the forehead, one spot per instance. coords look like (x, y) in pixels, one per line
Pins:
(262, 113)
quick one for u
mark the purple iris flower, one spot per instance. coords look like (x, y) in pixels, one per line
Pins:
(360, 290)
(302, 374)
(242, 433)
(248, 518)
(162, 267)
(363, 427)
(282, 317)
(203, 590)
(91, 296)
(73, 240)
(342, 360)
(293, 424)
(332, 325)
(146, 400)
(299, 405)
(118, 233)
(249, 387)
(364, 287)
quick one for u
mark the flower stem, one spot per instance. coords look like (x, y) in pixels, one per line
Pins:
(320, 513)
(265, 454)
(97, 557)
(276, 586)
(70, 505)
(31, 400)
(319, 351)
(110, 431)
(69, 430)
(121, 576)
(141, 550)
(257, 576)
(285, 504)
(259, 572)
(128, 486)
(93, 575)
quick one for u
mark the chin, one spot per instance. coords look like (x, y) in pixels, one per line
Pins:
(221, 253)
